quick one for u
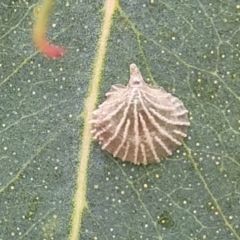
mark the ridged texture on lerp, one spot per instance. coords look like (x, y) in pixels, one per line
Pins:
(140, 123)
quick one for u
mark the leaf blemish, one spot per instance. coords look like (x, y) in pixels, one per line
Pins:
(41, 15)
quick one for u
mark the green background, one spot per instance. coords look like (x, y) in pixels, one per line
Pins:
(189, 47)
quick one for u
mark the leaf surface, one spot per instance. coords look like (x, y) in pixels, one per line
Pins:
(48, 164)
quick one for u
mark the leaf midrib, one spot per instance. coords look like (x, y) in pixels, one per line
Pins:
(79, 201)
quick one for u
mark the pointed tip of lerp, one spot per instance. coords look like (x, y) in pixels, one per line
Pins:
(136, 79)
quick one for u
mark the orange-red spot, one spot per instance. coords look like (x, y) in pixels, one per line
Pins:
(48, 49)
(53, 51)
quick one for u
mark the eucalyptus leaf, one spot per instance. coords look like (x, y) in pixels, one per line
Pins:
(188, 47)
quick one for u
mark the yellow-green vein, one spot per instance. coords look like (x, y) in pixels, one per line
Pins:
(79, 201)
(218, 207)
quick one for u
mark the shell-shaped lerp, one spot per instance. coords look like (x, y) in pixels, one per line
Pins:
(138, 122)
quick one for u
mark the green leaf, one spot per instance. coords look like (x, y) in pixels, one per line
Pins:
(56, 184)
